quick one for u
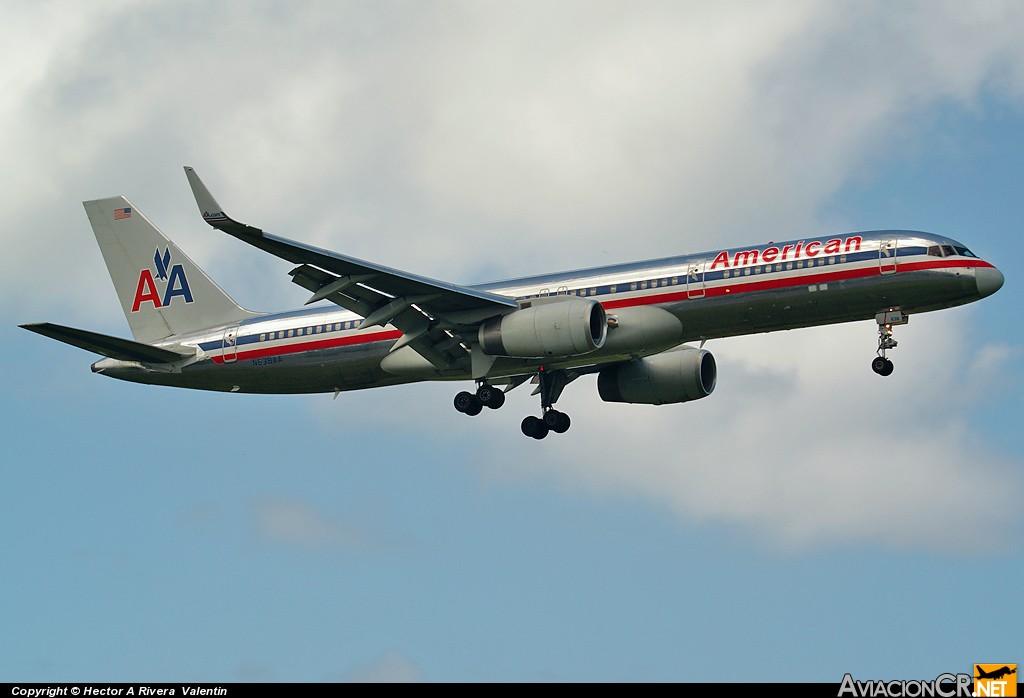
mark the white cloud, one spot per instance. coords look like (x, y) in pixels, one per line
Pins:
(391, 667)
(428, 136)
(802, 446)
(298, 523)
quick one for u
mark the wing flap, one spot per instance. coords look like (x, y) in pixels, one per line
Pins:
(419, 330)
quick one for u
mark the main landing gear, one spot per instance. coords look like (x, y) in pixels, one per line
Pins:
(551, 384)
(880, 364)
(486, 396)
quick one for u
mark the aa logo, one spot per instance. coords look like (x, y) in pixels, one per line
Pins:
(172, 278)
(995, 680)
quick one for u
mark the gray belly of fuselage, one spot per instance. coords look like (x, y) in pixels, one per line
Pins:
(358, 366)
(823, 304)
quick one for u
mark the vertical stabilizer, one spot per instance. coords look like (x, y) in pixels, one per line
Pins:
(162, 291)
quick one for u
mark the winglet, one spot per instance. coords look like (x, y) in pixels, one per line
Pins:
(208, 206)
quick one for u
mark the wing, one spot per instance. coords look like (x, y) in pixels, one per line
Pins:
(436, 318)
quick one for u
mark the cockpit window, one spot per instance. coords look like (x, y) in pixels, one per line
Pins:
(965, 252)
(934, 251)
(948, 251)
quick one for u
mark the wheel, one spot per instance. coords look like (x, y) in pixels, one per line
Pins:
(468, 403)
(556, 421)
(534, 427)
(878, 365)
(462, 401)
(887, 371)
(490, 396)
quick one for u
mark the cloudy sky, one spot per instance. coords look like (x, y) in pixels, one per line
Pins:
(807, 520)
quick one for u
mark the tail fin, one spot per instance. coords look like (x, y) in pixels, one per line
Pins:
(162, 291)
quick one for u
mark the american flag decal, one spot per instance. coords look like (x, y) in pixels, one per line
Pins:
(121, 213)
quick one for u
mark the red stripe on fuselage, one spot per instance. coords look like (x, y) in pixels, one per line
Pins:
(745, 284)
(300, 347)
(728, 287)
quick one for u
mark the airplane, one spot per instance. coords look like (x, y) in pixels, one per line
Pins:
(630, 324)
(996, 674)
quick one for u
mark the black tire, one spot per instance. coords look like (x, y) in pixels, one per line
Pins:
(463, 401)
(534, 428)
(475, 406)
(878, 365)
(556, 421)
(889, 368)
(490, 396)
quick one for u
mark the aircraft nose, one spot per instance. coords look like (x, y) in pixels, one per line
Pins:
(989, 280)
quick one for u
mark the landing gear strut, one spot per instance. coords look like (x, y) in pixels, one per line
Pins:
(551, 385)
(880, 364)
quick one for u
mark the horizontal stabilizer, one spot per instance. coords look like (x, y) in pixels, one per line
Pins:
(114, 347)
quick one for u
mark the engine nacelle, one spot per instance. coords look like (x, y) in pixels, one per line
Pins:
(679, 375)
(556, 327)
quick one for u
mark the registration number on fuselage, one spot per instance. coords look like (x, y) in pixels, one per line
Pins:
(267, 360)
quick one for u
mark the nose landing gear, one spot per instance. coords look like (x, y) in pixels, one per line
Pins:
(880, 364)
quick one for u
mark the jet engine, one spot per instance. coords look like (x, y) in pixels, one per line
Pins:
(679, 375)
(558, 327)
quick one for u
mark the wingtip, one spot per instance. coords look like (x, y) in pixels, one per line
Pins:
(209, 208)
